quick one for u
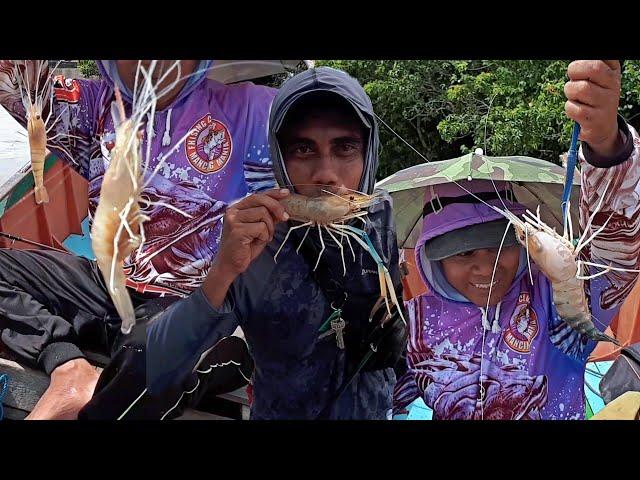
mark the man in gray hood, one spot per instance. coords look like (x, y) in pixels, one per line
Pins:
(322, 131)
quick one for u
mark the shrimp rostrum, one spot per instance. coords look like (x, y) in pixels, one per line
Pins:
(117, 228)
(329, 212)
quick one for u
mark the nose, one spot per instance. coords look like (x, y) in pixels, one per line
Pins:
(485, 262)
(325, 170)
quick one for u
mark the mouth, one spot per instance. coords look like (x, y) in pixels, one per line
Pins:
(319, 189)
(485, 286)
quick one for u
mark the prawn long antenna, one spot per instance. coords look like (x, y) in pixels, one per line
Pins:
(23, 86)
(581, 241)
(486, 159)
(350, 202)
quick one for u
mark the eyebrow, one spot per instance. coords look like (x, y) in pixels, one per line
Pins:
(345, 138)
(297, 140)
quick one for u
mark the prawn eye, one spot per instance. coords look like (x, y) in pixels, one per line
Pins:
(37, 117)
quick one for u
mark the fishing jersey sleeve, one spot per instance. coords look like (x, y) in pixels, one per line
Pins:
(257, 164)
(405, 391)
(617, 245)
(74, 117)
(182, 335)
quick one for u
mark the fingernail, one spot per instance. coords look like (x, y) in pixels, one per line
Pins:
(285, 216)
(284, 191)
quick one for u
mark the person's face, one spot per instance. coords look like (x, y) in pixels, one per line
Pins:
(470, 273)
(326, 148)
(127, 70)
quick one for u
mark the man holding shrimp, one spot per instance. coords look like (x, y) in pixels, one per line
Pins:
(323, 135)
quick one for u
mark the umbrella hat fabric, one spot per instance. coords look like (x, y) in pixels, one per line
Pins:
(534, 182)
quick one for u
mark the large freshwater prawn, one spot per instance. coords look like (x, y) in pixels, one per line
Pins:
(118, 224)
(329, 212)
(559, 260)
(36, 91)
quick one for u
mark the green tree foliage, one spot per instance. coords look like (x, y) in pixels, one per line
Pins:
(445, 108)
(88, 68)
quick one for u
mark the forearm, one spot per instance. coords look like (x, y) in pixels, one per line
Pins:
(177, 339)
(217, 284)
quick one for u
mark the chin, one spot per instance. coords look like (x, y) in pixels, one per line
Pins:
(482, 302)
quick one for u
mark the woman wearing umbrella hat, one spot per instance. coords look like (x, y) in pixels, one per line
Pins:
(491, 345)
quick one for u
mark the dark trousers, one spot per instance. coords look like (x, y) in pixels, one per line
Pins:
(121, 392)
(53, 305)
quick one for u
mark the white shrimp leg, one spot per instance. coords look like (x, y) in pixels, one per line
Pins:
(536, 222)
(56, 120)
(526, 233)
(344, 266)
(596, 233)
(346, 237)
(66, 135)
(495, 328)
(64, 150)
(351, 247)
(116, 250)
(381, 276)
(134, 239)
(569, 224)
(143, 238)
(357, 215)
(591, 217)
(321, 250)
(275, 257)
(306, 232)
(591, 277)
(163, 159)
(46, 122)
(607, 269)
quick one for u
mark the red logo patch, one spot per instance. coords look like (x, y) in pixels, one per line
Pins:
(66, 90)
(523, 326)
(209, 145)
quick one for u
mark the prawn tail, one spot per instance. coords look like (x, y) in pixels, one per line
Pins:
(595, 334)
(41, 194)
(115, 280)
(122, 302)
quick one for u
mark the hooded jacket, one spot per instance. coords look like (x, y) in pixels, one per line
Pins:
(281, 306)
